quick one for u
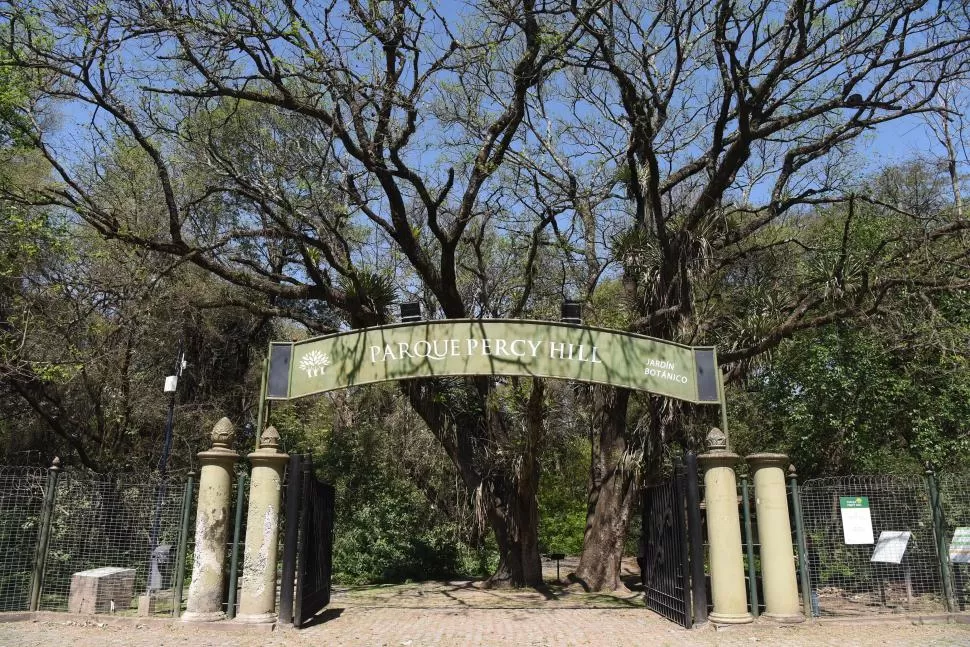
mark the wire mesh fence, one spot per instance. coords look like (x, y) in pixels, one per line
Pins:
(21, 504)
(871, 546)
(128, 523)
(95, 546)
(955, 507)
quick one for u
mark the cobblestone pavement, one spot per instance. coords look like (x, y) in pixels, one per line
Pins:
(409, 627)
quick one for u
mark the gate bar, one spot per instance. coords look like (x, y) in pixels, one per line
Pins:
(685, 568)
(294, 495)
(696, 534)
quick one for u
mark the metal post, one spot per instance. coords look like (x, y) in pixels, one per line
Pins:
(234, 559)
(723, 399)
(44, 534)
(294, 482)
(161, 491)
(803, 574)
(696, 534)
(939, 533)
(262, 400)
(749, 549)
(183, 547)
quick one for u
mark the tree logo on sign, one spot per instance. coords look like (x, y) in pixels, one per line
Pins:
(314, 363)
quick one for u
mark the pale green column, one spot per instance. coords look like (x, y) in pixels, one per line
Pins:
(728, 592)
(212, 527)
(258, 600)
(774, 534)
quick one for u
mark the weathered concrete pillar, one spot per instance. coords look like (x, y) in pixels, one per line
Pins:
(724, 532)
(774, 534)
(212, 526)
(258, 601)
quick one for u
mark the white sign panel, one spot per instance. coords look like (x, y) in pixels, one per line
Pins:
(891, 546)
(856, 520)
(960, 546)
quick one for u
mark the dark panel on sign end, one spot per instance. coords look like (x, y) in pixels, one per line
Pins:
(278, 385)
(706, 375)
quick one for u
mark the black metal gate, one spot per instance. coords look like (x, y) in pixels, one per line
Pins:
(672, 548)
(308, 547)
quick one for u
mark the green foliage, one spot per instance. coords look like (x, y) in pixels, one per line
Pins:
(847, 400)
(396, 518)
(562, 496)
(383, 535)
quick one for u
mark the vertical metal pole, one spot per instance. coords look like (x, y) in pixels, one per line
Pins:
(680, 495)
(260, 409)
(803, 574)
(699, 581)
(294, 482)
(163, 470)
(749, 549)
(723, 401)
(234, 559)
(939, 533)
(44, 534)
(183, 546)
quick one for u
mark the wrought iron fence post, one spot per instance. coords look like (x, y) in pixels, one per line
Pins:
(696, 534)
(182, 546)
(234, 558)
(939, 533)
(803, 574)
(749, 548)
(43, 534)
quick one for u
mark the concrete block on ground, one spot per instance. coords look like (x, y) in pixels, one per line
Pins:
(95, 590)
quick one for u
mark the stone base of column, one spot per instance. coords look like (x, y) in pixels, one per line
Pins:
(784, 618)
(256, 618)
(730, 618)
(202, 616)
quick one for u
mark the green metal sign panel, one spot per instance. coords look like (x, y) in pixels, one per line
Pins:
(496, 347)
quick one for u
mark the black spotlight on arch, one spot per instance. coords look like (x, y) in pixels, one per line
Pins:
(410, 312)
(572, 312)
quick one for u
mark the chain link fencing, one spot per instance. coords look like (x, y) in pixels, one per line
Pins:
(893, 568)
(88, 543)
(21, 506)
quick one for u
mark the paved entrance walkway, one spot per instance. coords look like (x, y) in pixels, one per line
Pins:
(394, 627)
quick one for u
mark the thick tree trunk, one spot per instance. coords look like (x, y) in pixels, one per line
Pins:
(617, 472)
(517, 530)
(505, 493)
(612, 491)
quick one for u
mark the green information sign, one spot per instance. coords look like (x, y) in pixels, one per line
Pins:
(492, 347)
(856, 519)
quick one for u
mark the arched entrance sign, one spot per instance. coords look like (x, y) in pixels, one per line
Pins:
(498, 347)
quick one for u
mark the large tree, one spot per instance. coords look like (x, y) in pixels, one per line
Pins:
(333, 156)
(724, 126)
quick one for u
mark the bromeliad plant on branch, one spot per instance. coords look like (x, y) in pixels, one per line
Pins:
(488, 159)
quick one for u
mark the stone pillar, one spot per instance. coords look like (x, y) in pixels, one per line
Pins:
(258, 600)
(724, 532)
(212, 526)
(774, 534)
